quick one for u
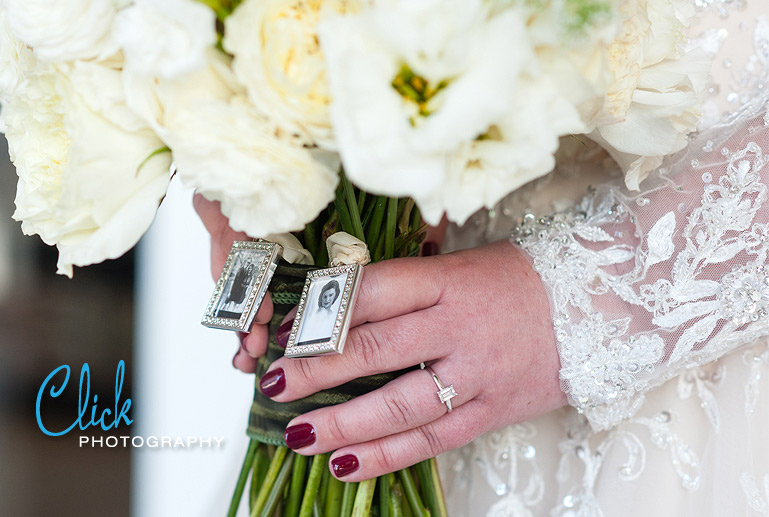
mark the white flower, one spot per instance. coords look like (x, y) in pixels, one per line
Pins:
(266, 181)
(165, 39)
(279, 61)
(156, 99)
(15, 60)
(432, 110)
(658, 89)
(64, 30)
(78, 157)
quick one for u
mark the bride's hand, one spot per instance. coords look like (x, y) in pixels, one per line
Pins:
(253, 345)
(480, 318)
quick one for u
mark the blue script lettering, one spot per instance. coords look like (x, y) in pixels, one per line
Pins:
(83, 398)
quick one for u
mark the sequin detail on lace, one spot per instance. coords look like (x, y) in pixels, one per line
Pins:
(703, 307)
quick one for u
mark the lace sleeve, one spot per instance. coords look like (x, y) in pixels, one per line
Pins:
(646, 284)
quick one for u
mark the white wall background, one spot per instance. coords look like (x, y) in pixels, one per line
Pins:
(184, 382)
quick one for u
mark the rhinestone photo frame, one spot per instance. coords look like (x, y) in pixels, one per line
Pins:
(239, 291)
(308, 336)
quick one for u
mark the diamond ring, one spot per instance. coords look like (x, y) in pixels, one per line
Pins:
(445, 393)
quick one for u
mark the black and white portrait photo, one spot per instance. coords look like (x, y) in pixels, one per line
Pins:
(320, 314)
(242, 285)
(239, 284)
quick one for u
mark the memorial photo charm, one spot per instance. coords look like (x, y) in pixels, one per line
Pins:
(242, 285)
(324, 312)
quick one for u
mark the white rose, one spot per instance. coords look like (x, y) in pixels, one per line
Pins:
(266, 181)
(165, 39)
(460, 146)
(81, 186)
(658, 90)
(279, 61)
(64, 30)
(155, 99)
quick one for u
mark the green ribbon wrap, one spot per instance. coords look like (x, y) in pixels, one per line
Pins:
(268, 419)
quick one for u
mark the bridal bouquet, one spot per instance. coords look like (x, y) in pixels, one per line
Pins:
(315, 116)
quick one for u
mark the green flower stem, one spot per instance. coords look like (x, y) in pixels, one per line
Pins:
(261, 465)
(390, 226)
(361, 201)
(374, 233)
(248, 462)
(276, 493)
(323, 490)
(384, 496)
(334, 494)
(311, 238)
(313, 482)
(343, 211)
(297, 486)
(352, 206)
(427, 487)
(368, 212)
(363, 498)
(412, 495)
(396, 498)
(316, 509)
(438, 488)
(269, 480)
(348, 498)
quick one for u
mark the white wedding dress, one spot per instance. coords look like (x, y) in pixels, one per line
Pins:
(660, 304)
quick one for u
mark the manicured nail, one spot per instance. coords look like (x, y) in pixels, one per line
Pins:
(344, 465)
(429, 249)
(300, 435)
(273, 383)
(281, 336)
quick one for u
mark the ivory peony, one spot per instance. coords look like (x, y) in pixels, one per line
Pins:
(658, 88)
(165, 39)
(78, 152)
(64, 30)
(266, 180)
(279, 61)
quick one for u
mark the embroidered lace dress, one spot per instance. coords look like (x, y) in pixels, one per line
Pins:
(660, 304)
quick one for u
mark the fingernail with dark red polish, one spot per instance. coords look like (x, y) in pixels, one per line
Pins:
(344, 465)
(300, 435)
(429, 249)
(281, 336)
(273, 383)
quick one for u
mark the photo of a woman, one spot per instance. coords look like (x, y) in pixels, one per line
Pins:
(318, 321)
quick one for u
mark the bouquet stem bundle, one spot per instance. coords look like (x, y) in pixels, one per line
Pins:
(283, 483)
(287, 484)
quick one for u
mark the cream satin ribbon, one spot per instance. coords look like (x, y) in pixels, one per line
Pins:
(344, 249)
(293, 252)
